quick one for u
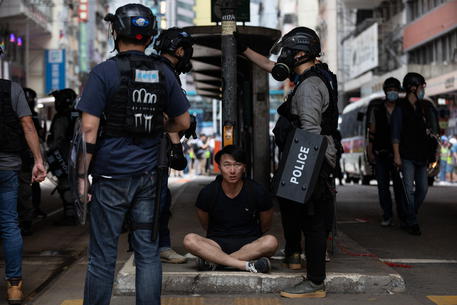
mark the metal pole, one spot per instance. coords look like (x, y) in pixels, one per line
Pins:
(229, 68)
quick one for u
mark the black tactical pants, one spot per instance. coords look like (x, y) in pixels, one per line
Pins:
(314, 220)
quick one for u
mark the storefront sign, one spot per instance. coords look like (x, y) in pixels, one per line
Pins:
(55, 69)
(364, 51)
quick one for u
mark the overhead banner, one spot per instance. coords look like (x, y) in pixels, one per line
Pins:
(55, 70)
(364, 51)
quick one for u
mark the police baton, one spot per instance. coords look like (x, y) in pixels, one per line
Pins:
(161, 172)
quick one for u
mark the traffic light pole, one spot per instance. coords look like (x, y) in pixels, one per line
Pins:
(230, 134)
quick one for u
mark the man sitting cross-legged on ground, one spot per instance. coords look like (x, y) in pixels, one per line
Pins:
(236, 212)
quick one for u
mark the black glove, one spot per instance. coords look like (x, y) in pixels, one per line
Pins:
(241, 45)
(177, 159)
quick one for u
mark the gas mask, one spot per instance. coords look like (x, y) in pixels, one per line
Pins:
(184, 65)
(284, 67)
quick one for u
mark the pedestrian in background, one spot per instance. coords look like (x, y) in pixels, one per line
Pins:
(445, 156)
(379, 151)
(452, 165)
(411, 122)
(16, 124)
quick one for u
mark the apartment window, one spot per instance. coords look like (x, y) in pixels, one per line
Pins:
(439, 51)
(422, 7)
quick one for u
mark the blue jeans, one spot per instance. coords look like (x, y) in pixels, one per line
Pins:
(111, 201)
(385, 171)
(9, 227)
(443, 170)
(416, 186)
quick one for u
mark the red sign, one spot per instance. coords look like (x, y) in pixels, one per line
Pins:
(83, 11)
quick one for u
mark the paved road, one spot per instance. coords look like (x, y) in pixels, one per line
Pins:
(54, 264)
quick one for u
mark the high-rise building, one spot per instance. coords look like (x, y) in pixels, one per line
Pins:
(25, 31)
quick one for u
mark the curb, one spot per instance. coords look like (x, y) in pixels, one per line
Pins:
(243, 282)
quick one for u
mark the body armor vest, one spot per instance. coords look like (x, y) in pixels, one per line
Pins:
(329, 122)
(136, 109)
(11, 134)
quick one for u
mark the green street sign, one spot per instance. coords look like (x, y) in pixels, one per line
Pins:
(243, 13)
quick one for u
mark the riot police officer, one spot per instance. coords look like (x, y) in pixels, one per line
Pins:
(15, 125)
(312, 106)
(59, 143)
(175, 48)
(131, 99)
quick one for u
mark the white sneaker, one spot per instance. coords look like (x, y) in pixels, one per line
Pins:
(386, 223)
(170, 256)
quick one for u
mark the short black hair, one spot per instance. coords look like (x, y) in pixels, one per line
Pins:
(236, 152)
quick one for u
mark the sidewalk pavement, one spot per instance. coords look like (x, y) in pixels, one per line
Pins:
(351, 269)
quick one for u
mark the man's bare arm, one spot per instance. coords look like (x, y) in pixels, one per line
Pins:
(89, 126)
(266, 218)
(203, 218)
(179, 123)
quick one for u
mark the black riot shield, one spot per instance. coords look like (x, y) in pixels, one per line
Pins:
(77, 174)
(299, 166)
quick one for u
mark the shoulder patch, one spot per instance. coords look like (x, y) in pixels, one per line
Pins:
(144, 76)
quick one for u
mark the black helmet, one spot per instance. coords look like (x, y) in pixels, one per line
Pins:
(30, 96)
(171, 39)
(391, 82)
(412, 79)
(134, 21)
(300, 39)
(64, 99)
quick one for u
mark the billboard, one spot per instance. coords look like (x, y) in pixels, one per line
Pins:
(363, 51)
(55, 69)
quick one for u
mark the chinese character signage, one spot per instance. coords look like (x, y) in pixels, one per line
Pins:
(55, 70)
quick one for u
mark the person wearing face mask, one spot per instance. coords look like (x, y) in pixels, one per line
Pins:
(311, 106)
(380, 152)
(410, 130)
(175, 48)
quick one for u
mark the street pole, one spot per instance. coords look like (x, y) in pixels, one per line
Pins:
(230, 134)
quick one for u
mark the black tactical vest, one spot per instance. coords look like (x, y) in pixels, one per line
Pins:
(382, 138)
(329, 122)
(136, 109)
(413, 135)
(11, 134)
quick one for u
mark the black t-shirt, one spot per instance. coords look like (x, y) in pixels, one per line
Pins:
(235, 217)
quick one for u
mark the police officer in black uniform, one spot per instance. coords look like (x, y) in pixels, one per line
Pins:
(175, 48)
(311, 106)
(59, 143)
(127, 104)
(15, 125)
(379, 151)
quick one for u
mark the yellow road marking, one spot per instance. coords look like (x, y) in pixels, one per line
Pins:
(443, 299)
(182, 301)
(257, 301)
(72, 302)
